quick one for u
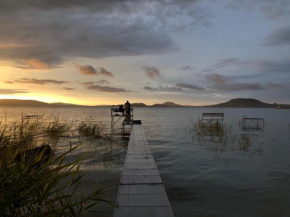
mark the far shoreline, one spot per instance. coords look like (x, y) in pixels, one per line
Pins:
(233, 103)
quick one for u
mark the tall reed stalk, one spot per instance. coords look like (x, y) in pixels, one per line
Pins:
(36, 184)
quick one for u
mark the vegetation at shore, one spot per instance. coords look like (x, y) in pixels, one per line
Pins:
(36, 180)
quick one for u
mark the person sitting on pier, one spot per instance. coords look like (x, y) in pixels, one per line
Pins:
(121, 109)
(128, 108)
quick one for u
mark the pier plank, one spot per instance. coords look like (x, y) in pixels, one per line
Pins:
(141, 191)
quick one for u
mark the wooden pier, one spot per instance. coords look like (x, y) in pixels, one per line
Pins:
(141, 191)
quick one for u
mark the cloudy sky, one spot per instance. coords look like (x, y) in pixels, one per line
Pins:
(192, 52)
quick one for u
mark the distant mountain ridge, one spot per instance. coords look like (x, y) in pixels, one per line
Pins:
(238, 103)
(64, 104)
(19, 102)
(244, 103)
(167, 104)
(138, 104)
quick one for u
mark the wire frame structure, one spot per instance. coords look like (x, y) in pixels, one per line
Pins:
(211, 127)
(126, 120)
(252, 124)
(34, 117)
(117, 115)
(211, 121)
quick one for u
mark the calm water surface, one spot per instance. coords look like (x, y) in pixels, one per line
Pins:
(200, 179)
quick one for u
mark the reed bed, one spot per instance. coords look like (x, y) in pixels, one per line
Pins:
(41, 183)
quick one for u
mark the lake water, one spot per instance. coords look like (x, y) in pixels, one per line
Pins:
(201, 177)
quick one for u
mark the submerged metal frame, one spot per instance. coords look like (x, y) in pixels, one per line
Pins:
(210, 119)
(252, 124)
(31, 117)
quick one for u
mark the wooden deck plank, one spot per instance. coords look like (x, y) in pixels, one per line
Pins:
(143, 200)
(147, 172)
(141, 191)
(144, 212)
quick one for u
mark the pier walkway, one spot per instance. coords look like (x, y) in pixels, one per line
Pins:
(141, 191)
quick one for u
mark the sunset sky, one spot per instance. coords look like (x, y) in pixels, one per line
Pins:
(191, 52)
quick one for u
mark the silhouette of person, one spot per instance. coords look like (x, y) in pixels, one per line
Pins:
(121, 109)
(127, 109)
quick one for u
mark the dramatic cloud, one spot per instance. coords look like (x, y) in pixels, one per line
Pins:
(246, 87)
(32, 64)
(225, 63)
(87, 83)
(273, 86)
(189, 86)
(9, 82)
(51, 31)
(164, 89)
(238, 87)
(68, 88)
(90, 70)
(87, 70)
(223, 83)
(271, 8)
(39, 81)
(101, 82)
(152, 72)
(217, 78)
(105, 72)
(280, 36)
(272, 66)
(106, 89)
(185, 68)
(11, 91)
(99, 86)
(14, 45)
(257, 66)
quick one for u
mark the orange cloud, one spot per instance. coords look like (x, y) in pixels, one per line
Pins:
(34, 64)
(152, 72)
(68, 88)
(39, 81)
(87, 70)
(106, 89)
(90, 70)
(106, 73)
(14, 45)
(11, 91)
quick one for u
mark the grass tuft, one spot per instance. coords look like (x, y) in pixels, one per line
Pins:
(34, 182)
(91, 130)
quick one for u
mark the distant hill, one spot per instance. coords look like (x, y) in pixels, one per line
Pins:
(244, 103)
(167, 104)
(138, 105)
(63, 104)
(19, 102)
